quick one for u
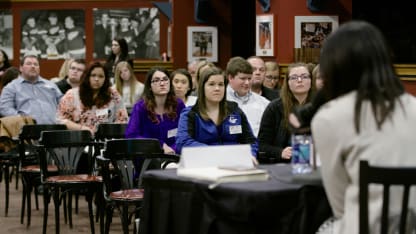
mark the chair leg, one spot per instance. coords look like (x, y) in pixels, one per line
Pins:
(46, 199)
(56, 202)
(36, 198)
(24, 197)
(7, 185)
(89, 197)
(108, 218)
(29, 203)
(69, 209)
(125, 217)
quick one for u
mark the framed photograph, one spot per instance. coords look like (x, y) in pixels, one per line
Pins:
(6, 32)
(53, 34)
(265, 35)
(311, 31)
(140, 27)
(203, 43)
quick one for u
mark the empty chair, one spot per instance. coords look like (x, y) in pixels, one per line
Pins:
(10, 127)
(388, 177)
(127, 157)
(65, 149)
(29, 163)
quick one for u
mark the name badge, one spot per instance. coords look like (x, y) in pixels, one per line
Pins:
(172, 132)
(236, 129)
(101, 112)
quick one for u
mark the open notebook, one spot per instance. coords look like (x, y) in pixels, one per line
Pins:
(220, 164)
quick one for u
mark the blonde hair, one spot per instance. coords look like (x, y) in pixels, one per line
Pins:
(63, 71)
(119, 82)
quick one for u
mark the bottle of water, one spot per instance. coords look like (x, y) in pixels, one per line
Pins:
(301, 153)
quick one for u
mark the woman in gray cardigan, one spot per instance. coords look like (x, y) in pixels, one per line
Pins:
(369, 116)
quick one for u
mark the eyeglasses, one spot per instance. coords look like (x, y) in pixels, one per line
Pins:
(301, 77)
(272, 78)
(160, 80)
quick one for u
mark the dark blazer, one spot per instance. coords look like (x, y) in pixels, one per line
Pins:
(270, 94)
(273, 135)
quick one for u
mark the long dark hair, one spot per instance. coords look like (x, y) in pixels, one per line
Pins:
(356, 57)
(124, 50)
(289, 100)
(205, 75)
(188, 76)
(149, 98)
(6, 62)
(86, 92)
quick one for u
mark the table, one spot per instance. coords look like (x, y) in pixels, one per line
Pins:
(283, 204)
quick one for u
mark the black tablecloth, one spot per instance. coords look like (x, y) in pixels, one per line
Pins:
(283, 204)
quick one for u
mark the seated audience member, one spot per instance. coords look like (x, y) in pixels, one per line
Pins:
(201, 65)
(63, 70)
(92, 103)
(10, 74)
(271, 80)
(156, 114)
(213, 120)
(274, 135)
(4, 61)
(239, 73)
(73, 79)
(369, 116)
(182, 84)
(127, 84)
(259, 73)
(319, 82)
(192, 67)
(30, 94)
(119, 52)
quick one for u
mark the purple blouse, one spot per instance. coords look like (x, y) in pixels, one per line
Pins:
(140, 125)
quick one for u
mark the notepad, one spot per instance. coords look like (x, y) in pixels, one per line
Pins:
(220, 164)
(215, 174)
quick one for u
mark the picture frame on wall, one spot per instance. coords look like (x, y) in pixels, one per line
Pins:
(53, 34)
(6, 32)
(202, 43)
(311, 31)
(265, 35)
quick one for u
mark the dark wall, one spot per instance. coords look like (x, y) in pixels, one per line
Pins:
(396, 20)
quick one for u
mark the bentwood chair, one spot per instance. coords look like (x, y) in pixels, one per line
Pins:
(404, 177)
(10, 127)
(105, 131)
(65, 149)
(126, 157)
(29, 163)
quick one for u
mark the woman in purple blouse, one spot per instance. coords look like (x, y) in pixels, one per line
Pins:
(156, 114)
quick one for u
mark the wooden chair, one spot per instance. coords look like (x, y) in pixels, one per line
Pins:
(65, 149)
(127, 158)
(10, 127)
(386, 176)
(29, 163)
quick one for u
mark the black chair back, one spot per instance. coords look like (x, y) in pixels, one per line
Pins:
(65, 148)
(28, 139)
(130, 156)
(110, 131)
(386, 176)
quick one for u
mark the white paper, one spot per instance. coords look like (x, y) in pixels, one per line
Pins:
(216, 156)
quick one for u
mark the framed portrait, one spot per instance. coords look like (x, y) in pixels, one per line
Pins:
(53, 34)
(202, 43)
(311, 31)
(6, 32)
(265, 35)
(140, 27)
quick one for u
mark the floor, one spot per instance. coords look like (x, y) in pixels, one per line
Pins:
(11, 223)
